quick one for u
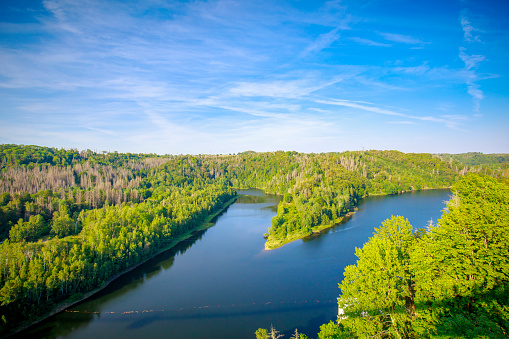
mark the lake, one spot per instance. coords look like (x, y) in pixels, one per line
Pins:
(221, 283)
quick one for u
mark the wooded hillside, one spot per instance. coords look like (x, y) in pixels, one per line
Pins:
(70, 220)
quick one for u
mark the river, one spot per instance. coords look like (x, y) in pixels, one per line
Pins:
(221, 283)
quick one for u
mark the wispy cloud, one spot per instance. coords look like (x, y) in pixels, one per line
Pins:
(368, 42)
(252, 110)
(471, 61)
(404, 39)
(174, 75)
(300, 85)
(323, 41)
(352, 104)
(402, 122)
(477, 95)
(471, 64)
(280, 88)
(450, 121)
(468, 29)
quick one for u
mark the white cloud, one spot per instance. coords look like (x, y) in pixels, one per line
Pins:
(353, 104)
(451, 121)
(284, 89)
(471, 61)
(323, 41)
(477, 95)
(199, 76)
(405, 39)
(290, 86)
(368, 42)
(402, 122)
(468, 29)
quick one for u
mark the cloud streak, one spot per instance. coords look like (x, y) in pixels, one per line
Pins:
(369, 42)
(468, 29)
(471, 62)
(404, 39)
(198, 76)
(450, 121)
(323, 41)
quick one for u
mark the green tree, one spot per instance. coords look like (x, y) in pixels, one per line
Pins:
(331, 330)
(461, 266)
(377, 294)
(262, 333)
(62, 224)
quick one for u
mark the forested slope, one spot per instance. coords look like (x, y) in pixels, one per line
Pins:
(320, 189)
(448, 281)
(478, 159)
(71, 219)
(67, 246)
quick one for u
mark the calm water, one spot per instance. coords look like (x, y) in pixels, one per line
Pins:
(223, 284)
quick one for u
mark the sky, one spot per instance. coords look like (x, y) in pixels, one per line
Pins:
(224, 76)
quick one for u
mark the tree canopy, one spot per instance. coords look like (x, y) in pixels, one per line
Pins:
(70, 220)
(450, 281)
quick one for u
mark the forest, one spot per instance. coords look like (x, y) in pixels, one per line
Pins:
(450, 280)
(71, 220)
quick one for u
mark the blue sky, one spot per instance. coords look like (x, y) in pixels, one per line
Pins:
(174, 77)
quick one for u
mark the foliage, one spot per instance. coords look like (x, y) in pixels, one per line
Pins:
(71, 220)
(478, 159)
(377, 292)
(262, 333)
(331, 330)
(449, 282)
(92, 245)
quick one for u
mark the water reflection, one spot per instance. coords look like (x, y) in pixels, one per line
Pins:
(251, 199)
(226, 285)
(81, 314)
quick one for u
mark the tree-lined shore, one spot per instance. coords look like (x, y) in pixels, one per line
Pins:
(450, 280)
(70, 220)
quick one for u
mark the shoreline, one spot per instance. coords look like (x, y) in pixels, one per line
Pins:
(314, 231)
(319, 229)
(410, 191)
(61, 307)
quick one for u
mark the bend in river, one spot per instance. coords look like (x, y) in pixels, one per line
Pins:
(221, 283)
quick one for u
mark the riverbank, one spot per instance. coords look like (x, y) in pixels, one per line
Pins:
(62, 306)
(272, 244)
(409, 191)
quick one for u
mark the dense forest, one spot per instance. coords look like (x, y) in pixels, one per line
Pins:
(450, 280)
(71, 220)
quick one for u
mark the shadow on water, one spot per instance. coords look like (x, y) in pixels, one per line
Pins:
(163, 261)
(69, 322)
(136, 321)
(64, 323)
(214, 219)
(272, 208)
(228, 267)
(50, 328)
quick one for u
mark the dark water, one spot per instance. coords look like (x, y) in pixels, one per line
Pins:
(221, 283)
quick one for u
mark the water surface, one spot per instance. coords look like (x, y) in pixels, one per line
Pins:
(221, 283)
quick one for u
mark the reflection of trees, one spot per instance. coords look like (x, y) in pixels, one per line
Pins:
(251, 199)
(64, 323)
(59, 325)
